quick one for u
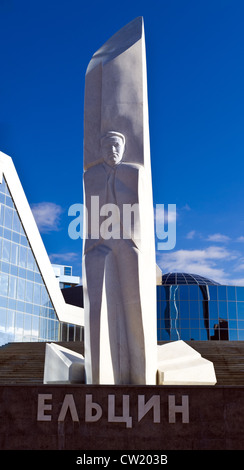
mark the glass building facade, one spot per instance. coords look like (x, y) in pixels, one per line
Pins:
(193, 308)
(26, 311)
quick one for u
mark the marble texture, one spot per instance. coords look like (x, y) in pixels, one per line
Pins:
(63, 365)
(180, 364)
(119, 271)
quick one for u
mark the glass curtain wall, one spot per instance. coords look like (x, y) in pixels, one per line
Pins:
(26, 311)
(200, 312)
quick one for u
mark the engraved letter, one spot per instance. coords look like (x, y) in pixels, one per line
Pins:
(125, 418)
(68, 403)
(89, 417)
(42, 407)
(183, 408)
(143, 407)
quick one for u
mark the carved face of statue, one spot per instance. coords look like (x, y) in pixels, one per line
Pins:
(112, 148)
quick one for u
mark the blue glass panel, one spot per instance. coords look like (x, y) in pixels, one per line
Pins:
(35, 327)
(194, 323)
(183, 293)
(233, 324)
(164, 292)
(27, 326)
(158, 309)
(212, 292)
(13, 287)
(16, 222)
(4, 284)
(9, 202)
(185, 335)
(14, 270)
(3, 318)
(241, 335)
(5, 267)
(6, 247)
(231, 292)
(7, 234)
(163, 335)
(240, 324)
(184, 309)
(174, 293)
(21, 289)
(37, 294)
(28, 307)
(10, 320)
(232, 309)
(194, 309)
(233, 335)
(240, 310)
(2, 214)
(195, 334)
(240, 293)
(193, 292)
(223, 309)
(204, 335)
(221, 292)
(158, 292)
(8, 218)
(213, 309)
(184, 323)
(14, 253)
(29, 275)
(29, 291)
(22, 256)
(15, 237)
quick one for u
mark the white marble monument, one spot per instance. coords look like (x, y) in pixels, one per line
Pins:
(119, 267)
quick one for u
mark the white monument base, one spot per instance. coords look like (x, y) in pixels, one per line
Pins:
(63, 365)
(179, 364)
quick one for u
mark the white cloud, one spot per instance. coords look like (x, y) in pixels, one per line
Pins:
(64, 257)
(190, 235)
(218, 237)
(240, 239)
(236, 282)
(47, 216)
(205, 262)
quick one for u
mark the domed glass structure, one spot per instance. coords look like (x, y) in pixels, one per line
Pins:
(193, 307)
(186, 278)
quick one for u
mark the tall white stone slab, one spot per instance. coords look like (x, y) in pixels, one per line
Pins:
(119, 267)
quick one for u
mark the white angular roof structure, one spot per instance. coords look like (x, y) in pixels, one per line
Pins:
(65, 312)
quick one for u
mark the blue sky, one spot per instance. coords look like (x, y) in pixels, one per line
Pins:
(195, 59)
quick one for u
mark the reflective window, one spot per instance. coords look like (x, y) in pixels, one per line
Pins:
(211, 314)
(232, 312)
(212, 292)
(231, 292)
(240, 293)
(240, 310)
(193, 292)
(20, 281)
(184, 293)
(223, 310)
(221, 292)
(27, 313)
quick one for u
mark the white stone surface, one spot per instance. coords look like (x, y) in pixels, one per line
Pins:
(63, 365)
(179, 364)
(119, 272)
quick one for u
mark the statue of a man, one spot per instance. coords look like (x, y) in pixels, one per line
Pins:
(112, 266)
